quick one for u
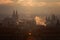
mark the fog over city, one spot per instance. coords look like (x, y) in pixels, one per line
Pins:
(30, 7)
(29, 19)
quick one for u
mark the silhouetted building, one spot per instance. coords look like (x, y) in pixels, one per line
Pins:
(52, 20)
(13, 20)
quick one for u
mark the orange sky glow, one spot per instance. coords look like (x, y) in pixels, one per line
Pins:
(29, 3)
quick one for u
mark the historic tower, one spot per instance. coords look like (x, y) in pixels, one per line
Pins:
(15, 17)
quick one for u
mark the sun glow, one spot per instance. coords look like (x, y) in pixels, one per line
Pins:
(5, 1)
(40, 21)
(31, 3)
(25, 2)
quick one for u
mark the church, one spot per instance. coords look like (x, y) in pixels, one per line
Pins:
(13, 20)
(52, 21)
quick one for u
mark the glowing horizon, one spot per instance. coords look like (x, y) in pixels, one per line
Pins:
(40, 21)
(29, 3)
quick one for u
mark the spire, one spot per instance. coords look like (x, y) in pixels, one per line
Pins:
(15, 15)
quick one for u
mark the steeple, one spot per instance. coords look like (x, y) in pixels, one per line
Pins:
(15, 15)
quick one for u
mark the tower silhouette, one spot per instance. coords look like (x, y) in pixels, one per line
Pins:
(15, 16)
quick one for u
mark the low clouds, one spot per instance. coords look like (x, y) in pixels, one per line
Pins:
(53, 4)
(47, 0)
(23, 2)
(30, 3)
(6, 1)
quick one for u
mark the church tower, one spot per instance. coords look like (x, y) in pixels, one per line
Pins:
(15, 17)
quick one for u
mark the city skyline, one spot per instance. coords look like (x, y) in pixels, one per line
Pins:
(30, 7)
(29, 19)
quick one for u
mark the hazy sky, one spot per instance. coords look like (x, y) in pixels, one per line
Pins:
(30, 7)
(31, 2)
(44, 0)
